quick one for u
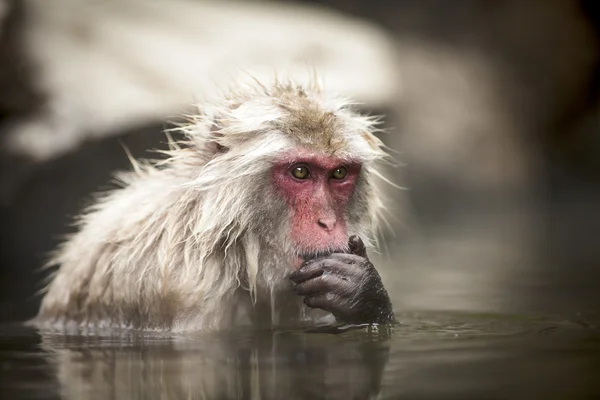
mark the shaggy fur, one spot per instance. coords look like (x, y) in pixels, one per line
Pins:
(200, 241)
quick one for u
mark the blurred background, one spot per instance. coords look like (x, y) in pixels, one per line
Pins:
(492, 106)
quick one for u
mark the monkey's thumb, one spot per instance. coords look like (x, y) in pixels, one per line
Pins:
(357, 246)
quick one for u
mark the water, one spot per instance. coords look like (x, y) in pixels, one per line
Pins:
(430, 355)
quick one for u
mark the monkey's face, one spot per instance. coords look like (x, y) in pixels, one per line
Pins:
(317, 190)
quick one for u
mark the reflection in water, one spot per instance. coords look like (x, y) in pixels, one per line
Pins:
(223, 366)
(429, 355)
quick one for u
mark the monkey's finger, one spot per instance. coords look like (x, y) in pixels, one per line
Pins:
(314, 268)
(357, 246)
(326, 301)
(321, 284)
(346, 258)
(327, 264)
(307, 271)
(330, 302)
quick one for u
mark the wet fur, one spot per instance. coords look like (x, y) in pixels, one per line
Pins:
(200, 241)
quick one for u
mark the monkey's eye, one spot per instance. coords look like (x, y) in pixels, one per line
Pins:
(301, 172)
(339, 173)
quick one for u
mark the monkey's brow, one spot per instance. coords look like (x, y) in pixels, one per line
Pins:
(323, 162)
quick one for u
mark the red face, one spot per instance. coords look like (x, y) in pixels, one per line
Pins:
(316, 189)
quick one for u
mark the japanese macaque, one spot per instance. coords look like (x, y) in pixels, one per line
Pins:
(261, 216)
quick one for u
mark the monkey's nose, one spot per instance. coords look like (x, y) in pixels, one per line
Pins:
(327, 223)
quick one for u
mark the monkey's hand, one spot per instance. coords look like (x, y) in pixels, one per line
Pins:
(345, 284)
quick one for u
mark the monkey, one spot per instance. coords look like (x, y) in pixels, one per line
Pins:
(260, 215)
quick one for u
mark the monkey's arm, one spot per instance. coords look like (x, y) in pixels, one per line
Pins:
(347, 285)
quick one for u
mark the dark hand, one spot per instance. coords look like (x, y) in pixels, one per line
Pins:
(347, 285)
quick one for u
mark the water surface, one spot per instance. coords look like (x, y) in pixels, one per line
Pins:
(429, 355)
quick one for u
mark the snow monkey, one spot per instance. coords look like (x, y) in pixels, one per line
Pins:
(260, 216)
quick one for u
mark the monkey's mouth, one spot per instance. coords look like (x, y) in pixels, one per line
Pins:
(303, 257)
(313, 255)
(322, 253)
